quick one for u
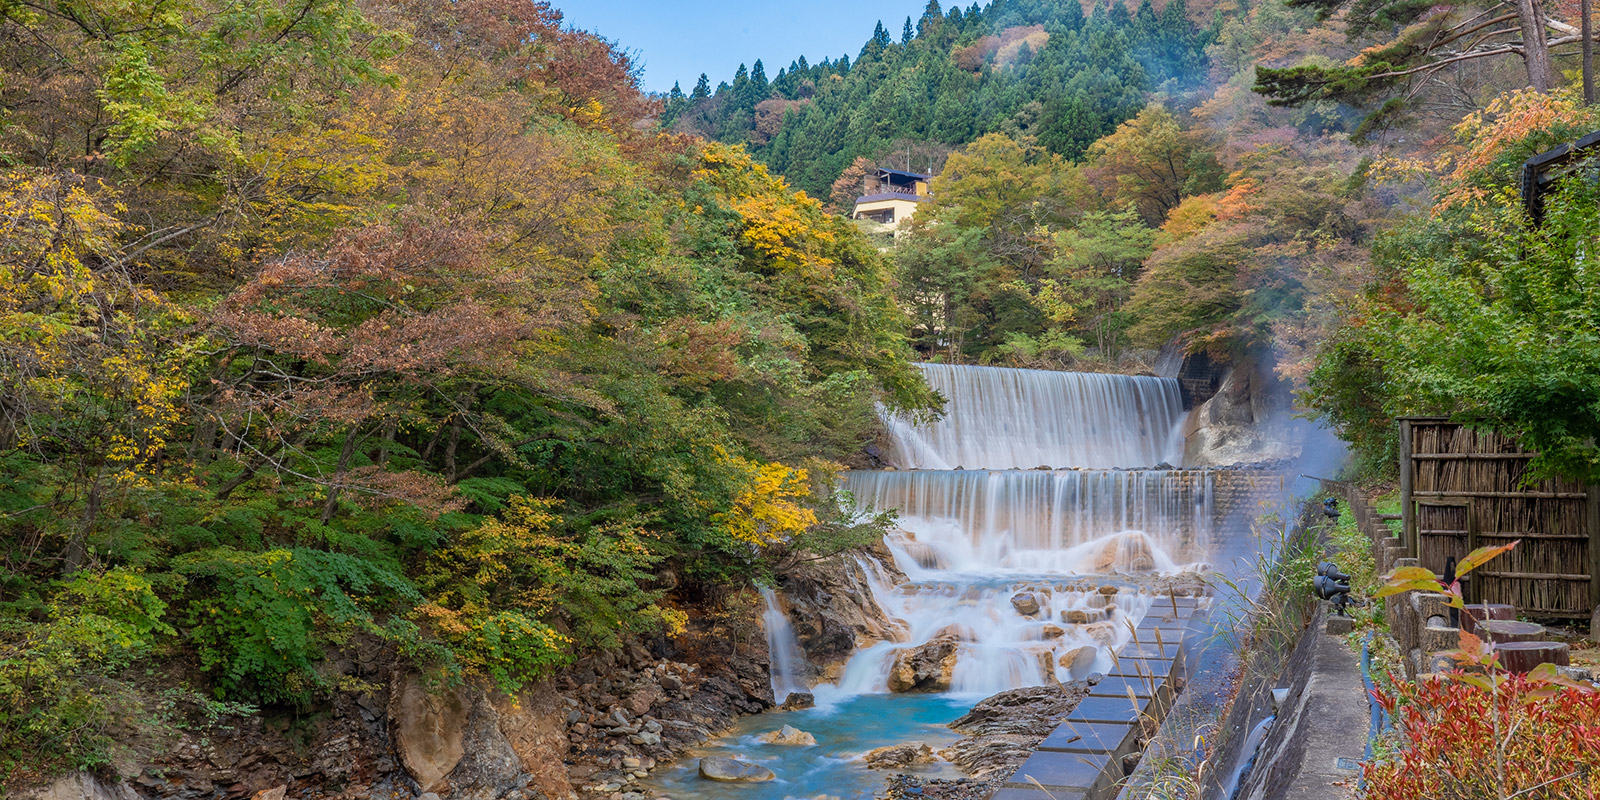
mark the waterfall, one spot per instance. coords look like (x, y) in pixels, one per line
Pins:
(1033, 520)
(788, 673)
(996, 418)
(1006, 562)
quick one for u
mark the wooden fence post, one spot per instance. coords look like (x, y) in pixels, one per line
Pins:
(1408, 510)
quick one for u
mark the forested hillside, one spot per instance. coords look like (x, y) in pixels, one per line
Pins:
(1106, 184)
(1028, 67)
(1116, 181)
(346, 321)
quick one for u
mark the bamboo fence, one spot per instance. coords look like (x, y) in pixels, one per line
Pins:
(1463, 488)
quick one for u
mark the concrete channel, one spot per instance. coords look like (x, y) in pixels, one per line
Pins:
(1083, 758)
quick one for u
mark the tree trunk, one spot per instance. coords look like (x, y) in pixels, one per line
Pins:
(1535, 50)
(77, 550)
(345, 452)
(204, 441)
(1587, 10)
(450, 449)
(1522, 657)
(249, 471)
(389, 430)
(8, 426)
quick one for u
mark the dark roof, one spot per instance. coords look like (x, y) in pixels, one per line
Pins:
(915, 198)
(1543, 169)
(917, 175)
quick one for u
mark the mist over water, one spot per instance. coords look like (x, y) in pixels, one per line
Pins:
(1031, 520)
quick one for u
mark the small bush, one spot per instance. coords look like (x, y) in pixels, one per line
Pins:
(1522, 738)
(261, 621)
(56, 698)
(498, 593)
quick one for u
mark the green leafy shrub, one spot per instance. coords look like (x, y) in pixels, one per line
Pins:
(260, 621)
(497, 592)
(56, 701)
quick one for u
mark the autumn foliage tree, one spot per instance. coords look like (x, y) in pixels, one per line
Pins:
(329, 322)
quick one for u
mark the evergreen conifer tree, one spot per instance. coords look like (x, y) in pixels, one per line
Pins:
(758, 79)
(932, 16)
(702, 88)
(907, 33)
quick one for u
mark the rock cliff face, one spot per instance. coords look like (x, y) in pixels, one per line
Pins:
(830, 605)
(1247, 419)
(590, 731)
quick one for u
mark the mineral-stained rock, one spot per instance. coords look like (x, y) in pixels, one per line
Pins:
(797, 701)
(1025, 603)
(427, 728)
(732, 770)
(1052, 632)
(960, 633)
(900, 755)
(788, 735)
(1075, 616)
(532, 726)
(925, 668)
(1102, 632)
(1079, 661)
(1128, 552)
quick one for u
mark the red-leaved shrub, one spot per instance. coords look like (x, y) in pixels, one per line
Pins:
(1465, 738)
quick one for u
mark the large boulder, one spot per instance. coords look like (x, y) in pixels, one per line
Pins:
(80, 786)
(1002, 731)
(1025, 603)
(1079, 661)
(428, 729)
(900, 755)
(1125, 552)
(732, 770)
(927, 667)
(789, 735)
(1248, 420)
(831, 607)
(797, 701)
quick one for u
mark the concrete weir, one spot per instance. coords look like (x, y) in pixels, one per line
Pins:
(1083, 758)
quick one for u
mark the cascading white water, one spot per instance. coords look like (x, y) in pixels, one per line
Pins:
(974, 542)
(997, 418)
(789, 672)
(1011, 577)
(1039, 521)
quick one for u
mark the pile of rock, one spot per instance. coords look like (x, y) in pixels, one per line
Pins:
(900, 755)
(1002, 731)
(623, 722)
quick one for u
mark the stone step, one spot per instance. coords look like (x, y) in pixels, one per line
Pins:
(1081, 772)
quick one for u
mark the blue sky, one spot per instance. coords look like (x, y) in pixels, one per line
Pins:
(679, 40)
